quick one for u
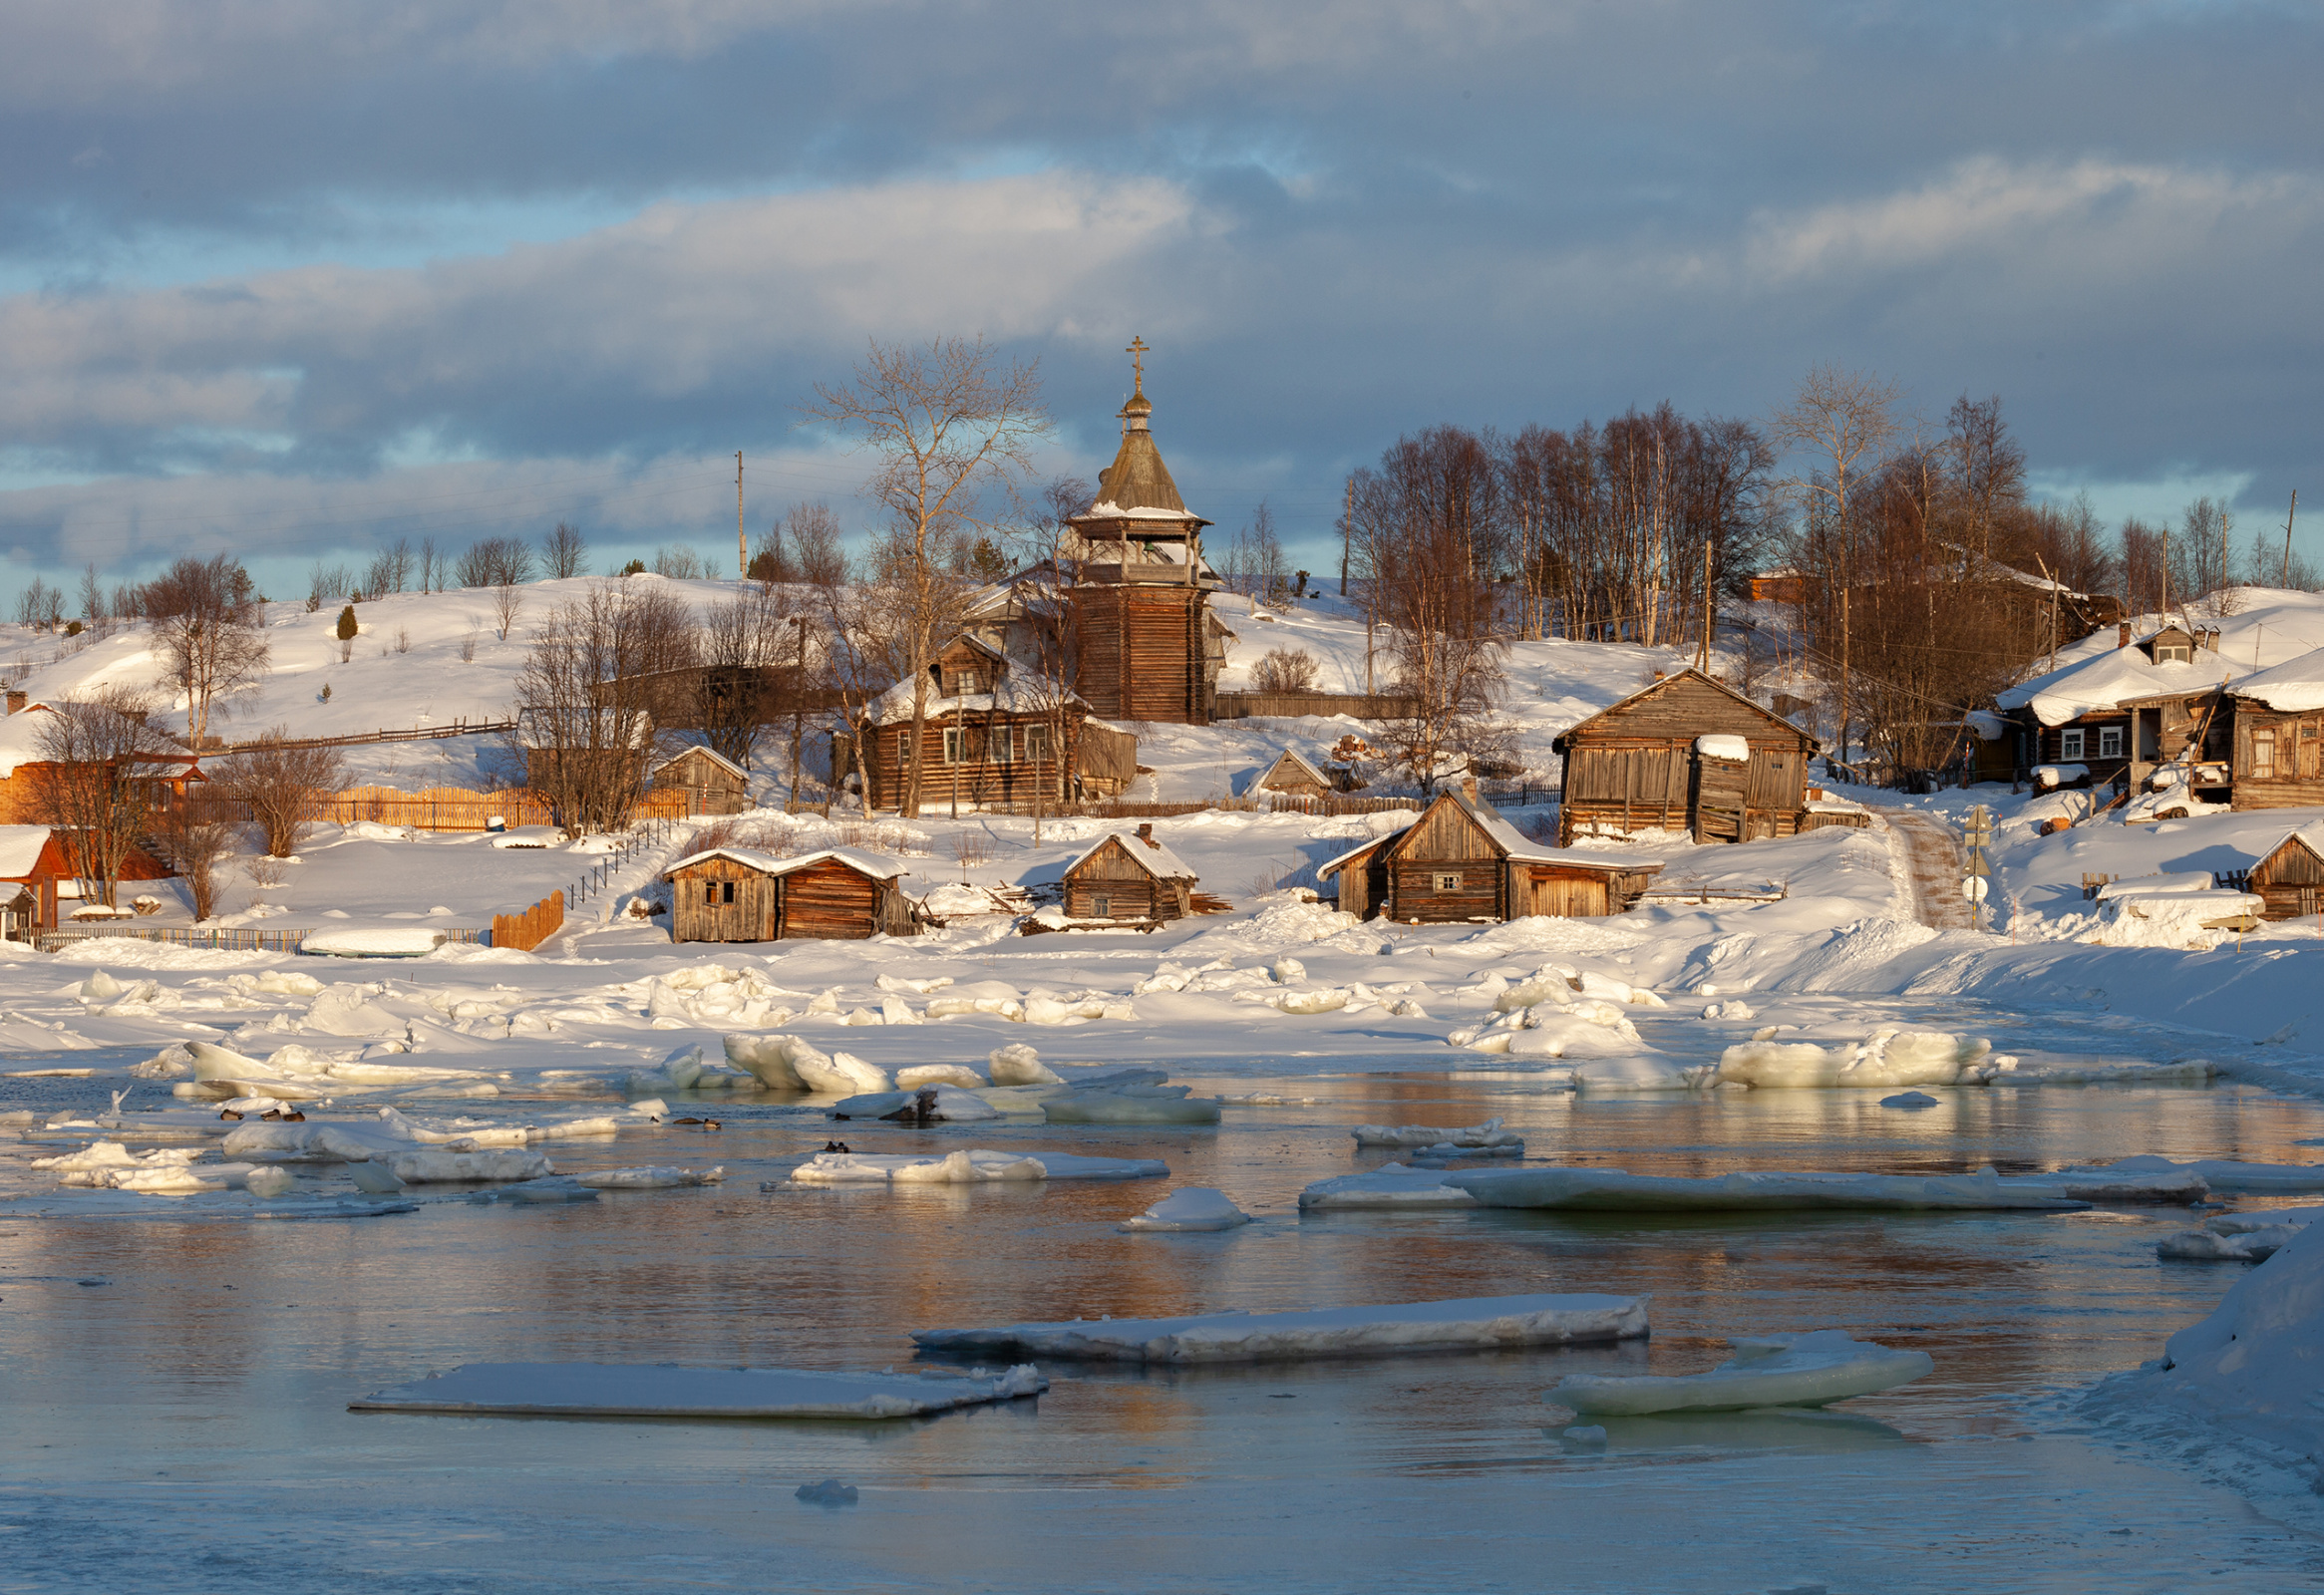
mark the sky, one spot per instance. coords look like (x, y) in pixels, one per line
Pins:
(293, 281)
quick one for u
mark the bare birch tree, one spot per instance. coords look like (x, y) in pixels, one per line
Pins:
(951, 424)
(584, 726)
(207, 628)
(94, 785)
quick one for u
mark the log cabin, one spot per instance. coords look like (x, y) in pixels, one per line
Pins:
(2278, 735)
(741, 894)
(37, 859)
(713, 784)
(990, 736)
(1684, 753)
(2120, 712)
(2290, 879)
(1294, 776)
(1461, 861)
(1135, 880)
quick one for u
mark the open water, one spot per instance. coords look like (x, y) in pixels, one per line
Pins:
(172, 1392)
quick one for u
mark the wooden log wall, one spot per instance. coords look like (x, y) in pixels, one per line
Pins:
(2294, 745)
(724, 899)
(1140, 649)
(2291, 883)
(534, 927)
(829, 901)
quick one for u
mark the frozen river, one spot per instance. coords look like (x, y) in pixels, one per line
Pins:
(175, 1410)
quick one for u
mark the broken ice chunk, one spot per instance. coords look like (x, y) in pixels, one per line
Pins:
(1194, 1209)
(1806, 1370)
(1488, 1133)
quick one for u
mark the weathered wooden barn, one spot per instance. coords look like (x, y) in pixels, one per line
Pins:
(1146, 644)
(1294, 776)
(2290, 878)
(1684, 753)
(2278, 735)
(741, 894)
(713, 784)
(991, 737)
(1461, 861)
(1130, 879)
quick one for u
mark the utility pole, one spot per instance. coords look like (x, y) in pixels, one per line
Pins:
(2286, 580)
(742, 543)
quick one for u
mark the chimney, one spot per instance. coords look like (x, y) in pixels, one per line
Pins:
(1145, 835)
(2122, 635)
(16, 700)
(1468, 787)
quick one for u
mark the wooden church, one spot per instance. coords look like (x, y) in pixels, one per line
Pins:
(1149, 647)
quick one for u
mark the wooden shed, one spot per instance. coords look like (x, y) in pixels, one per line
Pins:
(1684, 753)
(739, 894)
(2278, 734)
(1462, 862)
(1294, 776)
(1131, 879)
(2290, 879)
(713, 784)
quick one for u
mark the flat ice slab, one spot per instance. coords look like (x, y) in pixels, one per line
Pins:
(2218, 1173)
(1472, 1323)
(658, 1390)
(1390, 1185)
(1490, 1133)
(972, 1167)
(1612, 1191)
(1807, 1370)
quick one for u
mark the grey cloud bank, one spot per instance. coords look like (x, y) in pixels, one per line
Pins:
(1334, 224)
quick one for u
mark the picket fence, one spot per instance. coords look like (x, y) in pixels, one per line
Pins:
(531, 928)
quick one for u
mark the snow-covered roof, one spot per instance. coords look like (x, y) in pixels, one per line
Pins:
(20, 847)
(2294, 687)
(1292, 754)
(1723, 745)
(19, 738)
(1988, 726)
(1150, 855)
(2310, 836)
(1020, 691)
(1775, 722)
(1332, 866)
(705, 752)
(2107, 681)
(864, 863)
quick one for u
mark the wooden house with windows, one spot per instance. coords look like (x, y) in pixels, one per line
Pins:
(2290, 879)
(741, 894)
(713, 784)
(2118, 712)
(1684, 753)
(996, 734)
(37, 864)
(2277, 735)
(1293, 776)
(1135, 880)
(1462, 862)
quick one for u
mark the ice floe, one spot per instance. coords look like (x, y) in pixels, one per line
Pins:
(1194, 1209)
(2218, 1173)
(926, 1104)
(1806, 1370)
(1464, 1324)
(658, 1390)
(1488, 1133)
(975, 1165)
(651, 1178)
(1613, 1191)
(1390, 1185)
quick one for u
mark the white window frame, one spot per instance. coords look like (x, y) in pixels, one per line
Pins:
(952, 745)
(2069, 743)
(1100, 908)
(1000, 744)
(2110, 742)
(2176, 654)
(1447, 883)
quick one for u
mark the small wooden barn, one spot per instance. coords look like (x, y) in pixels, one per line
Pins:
(740, 895)
(713, 784)
(2278, 734)
(1134, 878)
(1462, 862)
(1685, 753)
(2290, 879)
(1294, 776)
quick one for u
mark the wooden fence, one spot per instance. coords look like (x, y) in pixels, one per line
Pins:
(1341, 804)
(228, 940)
(461, 809)
(536, 925)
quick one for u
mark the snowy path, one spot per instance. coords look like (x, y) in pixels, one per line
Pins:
(1936, 869)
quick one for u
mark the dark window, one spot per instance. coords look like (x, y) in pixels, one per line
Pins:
(729, 894)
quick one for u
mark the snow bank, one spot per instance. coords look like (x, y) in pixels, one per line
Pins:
(976, 1166)
(381, 942)
(2253, 1366)
(1390, 1185)
(1466, 1323)
(639, 1390)
(1806, 1370)
(1196, 1208)
(1488, 1133)
(1612, 1191)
